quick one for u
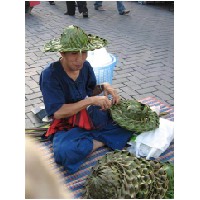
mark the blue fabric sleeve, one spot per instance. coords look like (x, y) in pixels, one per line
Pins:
(53, 95)
(91, 81)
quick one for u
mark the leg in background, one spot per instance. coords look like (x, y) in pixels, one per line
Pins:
(82, 7)
(121, 8)
(70, 8)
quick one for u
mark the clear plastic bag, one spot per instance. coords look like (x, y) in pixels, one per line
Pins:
(153, 143)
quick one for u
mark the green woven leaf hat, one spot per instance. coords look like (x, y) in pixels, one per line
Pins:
(134, 116)
(74, 39)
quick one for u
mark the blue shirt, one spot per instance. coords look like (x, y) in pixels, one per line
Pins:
(58, 88)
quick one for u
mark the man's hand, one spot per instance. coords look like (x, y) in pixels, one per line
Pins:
(101, 101)
(108, 89)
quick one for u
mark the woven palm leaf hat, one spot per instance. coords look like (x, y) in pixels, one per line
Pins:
(74, 39)
(135, 116)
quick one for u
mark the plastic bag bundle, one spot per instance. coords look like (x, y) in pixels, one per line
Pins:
(153, 143)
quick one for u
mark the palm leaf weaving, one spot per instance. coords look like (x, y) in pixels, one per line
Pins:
(134, 116)
(121, 175)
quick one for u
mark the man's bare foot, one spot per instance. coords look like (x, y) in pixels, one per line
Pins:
(97, 144)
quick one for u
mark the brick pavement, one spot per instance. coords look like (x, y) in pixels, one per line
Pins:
(143, 43)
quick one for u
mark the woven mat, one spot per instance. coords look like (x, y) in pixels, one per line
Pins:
(75, 182)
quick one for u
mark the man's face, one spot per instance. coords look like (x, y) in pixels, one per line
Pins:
(74, 60)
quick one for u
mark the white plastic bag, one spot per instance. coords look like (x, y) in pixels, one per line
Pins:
(41, 114)
(153, 143)
(99, 58)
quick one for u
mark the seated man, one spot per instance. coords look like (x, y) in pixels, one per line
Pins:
(81, 121)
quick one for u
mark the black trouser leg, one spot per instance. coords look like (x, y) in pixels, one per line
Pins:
(82, 6)
(51, 3)
(71, 7)
(27, 6)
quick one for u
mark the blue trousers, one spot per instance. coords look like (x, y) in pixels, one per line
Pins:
(73, 146)
(120, 6)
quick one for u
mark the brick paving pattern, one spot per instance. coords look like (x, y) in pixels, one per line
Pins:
(143, 43)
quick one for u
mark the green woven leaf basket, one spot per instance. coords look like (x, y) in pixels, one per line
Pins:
(134, 116)
(121, 175)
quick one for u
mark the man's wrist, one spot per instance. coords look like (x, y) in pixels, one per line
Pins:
(101, 86)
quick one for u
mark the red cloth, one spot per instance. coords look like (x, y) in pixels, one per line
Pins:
(81, 120)
(34, 3)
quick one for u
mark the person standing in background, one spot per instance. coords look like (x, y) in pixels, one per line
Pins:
(120, 7)
(71, 8)
(51, 2)
(29, 6)
(98, 6)
(82, 8)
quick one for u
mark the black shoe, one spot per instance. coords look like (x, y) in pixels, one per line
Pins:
(52, 3)
(85, 14)
(66, 13)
